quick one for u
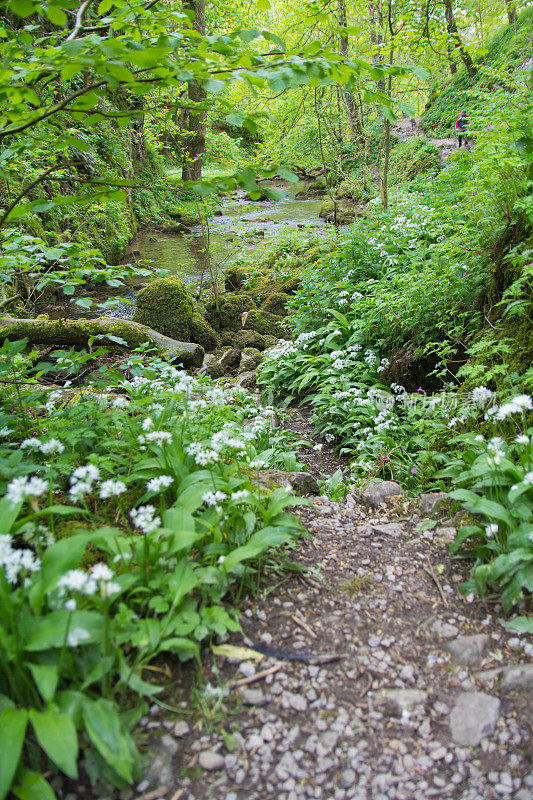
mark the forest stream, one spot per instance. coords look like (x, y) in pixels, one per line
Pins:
(240, 226)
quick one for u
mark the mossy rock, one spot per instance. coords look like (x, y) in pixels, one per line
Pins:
(250, 359)
(247, 338)
(228, 315)
(166, 306)
(266, 323)
(352, 190)
(276, 304)
(202, 333)
(291, 286)
(347, 211)
(425, 160)
(233, 279)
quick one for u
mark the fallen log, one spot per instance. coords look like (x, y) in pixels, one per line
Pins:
(77, 332)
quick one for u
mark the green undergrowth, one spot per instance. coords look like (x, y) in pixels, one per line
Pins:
(413, 337)
(133, 518)
(505, 57)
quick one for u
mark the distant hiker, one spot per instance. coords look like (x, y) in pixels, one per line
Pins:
(413, 123)
(461, 126)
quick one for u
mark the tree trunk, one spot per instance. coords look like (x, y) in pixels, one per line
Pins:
(375, 13)
(457, 43)
(349, 100)
(451, 63)
(511, 11)
(193, 133)
(137, 135)
(77, 332)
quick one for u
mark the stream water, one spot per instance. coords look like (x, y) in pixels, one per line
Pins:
(241, 226)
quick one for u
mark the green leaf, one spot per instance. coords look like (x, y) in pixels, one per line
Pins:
(520, 624)
(214, 85)
(49, 631)
(46, 677)
(57, 736)
(234, 119)
(13, 723)
(102, 724)
(55, 14)
(287, 175)
(33, 786)
(263, 5)
(8, 513)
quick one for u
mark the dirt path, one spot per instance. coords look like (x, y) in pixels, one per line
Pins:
(381, 681)
(403, 129)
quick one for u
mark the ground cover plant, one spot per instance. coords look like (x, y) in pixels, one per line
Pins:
(129, 509)
(417, 327)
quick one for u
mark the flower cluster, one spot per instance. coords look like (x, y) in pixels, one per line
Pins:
(26, 486)
(81, 481)
(15, 561)
(145, 518)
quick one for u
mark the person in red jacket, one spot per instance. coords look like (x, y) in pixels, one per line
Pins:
(461, 126)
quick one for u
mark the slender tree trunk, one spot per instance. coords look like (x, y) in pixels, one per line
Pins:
(510, 6)
(349, 100)
(375, 13)
(384, 179)
(195, 121)
(451, 63)
(457, 43)
(137, 134)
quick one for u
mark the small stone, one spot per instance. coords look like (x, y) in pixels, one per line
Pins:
(247, 669)
(169, 744)
(210, 761)
(468, 649)
(438, 754)
(519, 676)
(253, 697)
(473, 717)
(303, 483)
(390, 529)
(347, 778)
(378, 491)
(400, 700)
(444, 629)
(181, 729)
(297, 702)
(430, 501)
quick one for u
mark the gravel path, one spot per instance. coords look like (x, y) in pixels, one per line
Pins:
(381, 681)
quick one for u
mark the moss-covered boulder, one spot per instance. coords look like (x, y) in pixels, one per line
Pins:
(291, 285)
(276, 303)
(247, 338)
(233, 279)
(346, 212)
(250, 359)
(266, 323)
(166, 306)
(228, 314)
(203, 333)
(352, 190)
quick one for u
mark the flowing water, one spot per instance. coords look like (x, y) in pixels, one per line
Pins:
(241, 226)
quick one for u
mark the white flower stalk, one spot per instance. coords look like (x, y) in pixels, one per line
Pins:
(159, 484)
(145, 518)
(26, 487)
(111, 489)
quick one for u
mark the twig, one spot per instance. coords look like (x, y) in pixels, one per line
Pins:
(431, 572)
(153, 795)
(79, 20)
(304, 626)
(252, 678)
(177, 795)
